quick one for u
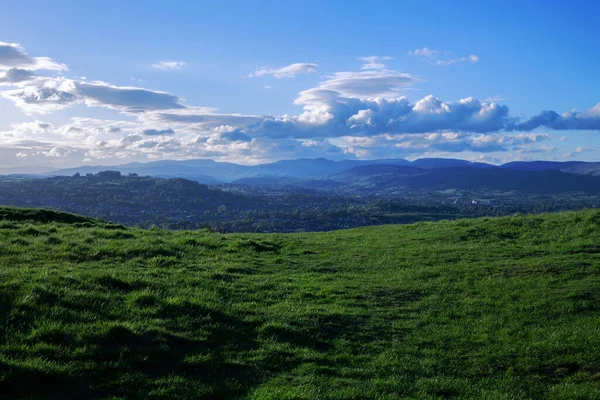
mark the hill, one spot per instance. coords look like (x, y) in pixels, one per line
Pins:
(486, 308)
(389, 178)
(584, 169)
(571, 167)
(210, 172)
(130, 200)
(182, 204)
(542, 165)
(448, 162)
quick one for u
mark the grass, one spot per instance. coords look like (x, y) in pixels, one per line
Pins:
(505, 308)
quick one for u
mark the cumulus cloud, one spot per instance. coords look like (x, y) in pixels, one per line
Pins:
(168, 65)
(289, 71)
(49, 96)
(588, 120)
(58, 152)
(363, 113)
(448, 142)
(578, 150)
(329, 114)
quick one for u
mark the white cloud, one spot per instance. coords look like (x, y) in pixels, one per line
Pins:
(434, 57)
(53, 94)
(362, 113)
(361, 117)
(21, 155)
(374, 62)
(366, 84)
(425, 52)
(127, 99)
(168, 65)
(46, 97)
(58, 152)
(472, 58)
(578, 150)
(289, 71)
(13, 55)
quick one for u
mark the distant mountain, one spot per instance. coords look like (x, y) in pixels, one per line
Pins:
(448, 163)
(392, 179)
(195, 170)
(306, 167)
(571, 167)
(32, 170)
(213, 172)
(592, 168)
(209, 171)
(541, 165)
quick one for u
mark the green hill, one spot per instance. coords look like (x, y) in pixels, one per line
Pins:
(503, 308)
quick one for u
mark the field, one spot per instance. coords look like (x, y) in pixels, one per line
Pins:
(505, 308)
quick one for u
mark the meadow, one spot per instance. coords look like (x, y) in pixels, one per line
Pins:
(489, 308)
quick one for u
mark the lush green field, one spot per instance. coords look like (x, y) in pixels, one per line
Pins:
(504, 308)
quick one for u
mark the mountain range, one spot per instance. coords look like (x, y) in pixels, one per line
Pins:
(213, 172)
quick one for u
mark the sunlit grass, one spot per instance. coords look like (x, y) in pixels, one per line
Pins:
(489, 308)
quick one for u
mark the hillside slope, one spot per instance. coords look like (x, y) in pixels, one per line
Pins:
(488, 308)
(384, 178)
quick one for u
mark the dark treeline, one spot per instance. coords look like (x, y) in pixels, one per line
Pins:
(183, 204)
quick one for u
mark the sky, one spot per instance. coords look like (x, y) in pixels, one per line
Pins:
(112, 82)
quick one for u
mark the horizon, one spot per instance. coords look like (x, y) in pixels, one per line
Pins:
(29, 170)
(227, 84)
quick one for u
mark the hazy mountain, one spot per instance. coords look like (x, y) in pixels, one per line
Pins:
(591, 168)
(542, 165)
(205, 170)
(32, 170)
(388, 178)
(202, 171)
(213, 172)
(447, 163)
(306, 167)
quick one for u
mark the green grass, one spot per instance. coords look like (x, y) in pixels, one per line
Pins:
(505, 308)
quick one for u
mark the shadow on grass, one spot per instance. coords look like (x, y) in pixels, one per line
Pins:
(194, 345)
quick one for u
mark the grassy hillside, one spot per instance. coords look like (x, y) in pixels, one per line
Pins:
(504, 308)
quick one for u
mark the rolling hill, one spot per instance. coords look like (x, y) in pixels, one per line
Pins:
(487, 308)
(209, 171)
(388, 179)
(212, 172)
(584, 169)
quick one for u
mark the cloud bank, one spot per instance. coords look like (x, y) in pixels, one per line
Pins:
(364, 113)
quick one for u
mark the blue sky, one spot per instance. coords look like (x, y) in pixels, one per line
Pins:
(112, 82)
